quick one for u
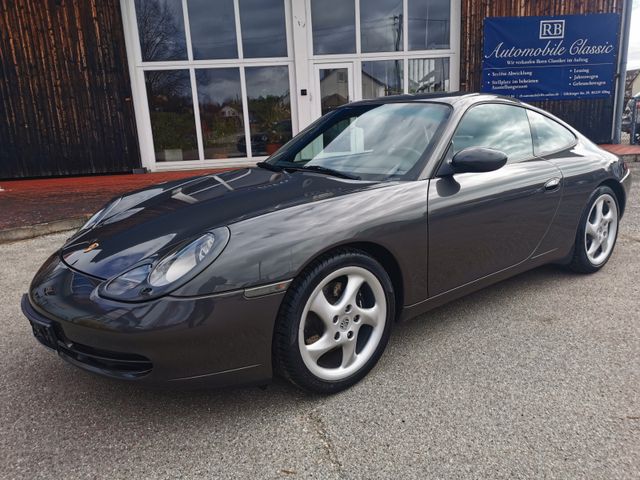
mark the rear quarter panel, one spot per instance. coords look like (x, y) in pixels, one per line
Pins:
(584, 168)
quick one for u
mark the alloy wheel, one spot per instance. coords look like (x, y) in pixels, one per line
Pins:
(342, 323)
(601, 229)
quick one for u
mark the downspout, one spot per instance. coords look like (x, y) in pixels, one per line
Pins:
(623, 50)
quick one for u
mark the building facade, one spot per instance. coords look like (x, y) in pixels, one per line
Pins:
(108, 86)
(228, 85)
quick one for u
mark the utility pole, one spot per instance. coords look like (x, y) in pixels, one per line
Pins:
(398, 23)
(621, 73)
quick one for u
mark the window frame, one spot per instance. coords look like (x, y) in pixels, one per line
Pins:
(525, 159)
(357, 57)
(138, 67)
(454, 123)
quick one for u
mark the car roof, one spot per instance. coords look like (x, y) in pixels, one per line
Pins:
(451, 98)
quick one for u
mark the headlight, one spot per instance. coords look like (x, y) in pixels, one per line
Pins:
(179, 264)
(151, 279)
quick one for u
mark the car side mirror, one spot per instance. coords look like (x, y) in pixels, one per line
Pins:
(478, 159)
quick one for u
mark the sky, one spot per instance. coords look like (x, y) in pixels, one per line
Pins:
(633, 60)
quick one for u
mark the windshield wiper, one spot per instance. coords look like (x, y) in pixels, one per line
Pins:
(325, 170)
(269, 166)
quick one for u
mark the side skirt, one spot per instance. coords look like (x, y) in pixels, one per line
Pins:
(411, 311)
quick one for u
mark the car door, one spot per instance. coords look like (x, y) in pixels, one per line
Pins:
(482, 223)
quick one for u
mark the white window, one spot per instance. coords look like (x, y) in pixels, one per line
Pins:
(212, 79)
(388, 47)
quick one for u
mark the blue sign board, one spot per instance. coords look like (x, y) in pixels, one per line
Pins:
(551, 58)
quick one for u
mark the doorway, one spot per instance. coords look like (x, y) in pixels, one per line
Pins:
(334, 86)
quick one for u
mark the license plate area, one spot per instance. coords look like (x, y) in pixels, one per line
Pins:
(45, 334)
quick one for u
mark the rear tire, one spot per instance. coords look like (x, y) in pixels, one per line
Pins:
(597, 232)
(334, 322)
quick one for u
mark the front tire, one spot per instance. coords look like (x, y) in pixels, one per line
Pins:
(597, 232)
(334, 322)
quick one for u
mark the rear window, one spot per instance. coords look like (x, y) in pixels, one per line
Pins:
(549, 135)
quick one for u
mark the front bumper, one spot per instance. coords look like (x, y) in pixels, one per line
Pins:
(217, 340)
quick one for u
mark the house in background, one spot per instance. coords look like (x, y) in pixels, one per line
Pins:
(100, 86)
(632, 84)
(229, 112)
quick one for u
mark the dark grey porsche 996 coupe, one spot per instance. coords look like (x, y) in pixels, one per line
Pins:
(300, 266)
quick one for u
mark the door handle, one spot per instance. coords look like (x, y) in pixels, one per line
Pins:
(552, 184)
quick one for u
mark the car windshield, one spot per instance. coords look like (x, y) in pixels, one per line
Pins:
(370, 142)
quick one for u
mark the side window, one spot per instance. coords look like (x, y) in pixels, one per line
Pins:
(501, 127)
(548, 135)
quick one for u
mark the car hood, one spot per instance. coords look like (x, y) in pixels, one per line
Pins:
(153, 221)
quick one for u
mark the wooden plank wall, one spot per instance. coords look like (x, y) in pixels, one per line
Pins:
(65, 96)
(593, 118)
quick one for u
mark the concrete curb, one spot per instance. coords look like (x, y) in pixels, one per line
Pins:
(31, 231)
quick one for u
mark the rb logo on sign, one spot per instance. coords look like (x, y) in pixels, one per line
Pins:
(551, 29)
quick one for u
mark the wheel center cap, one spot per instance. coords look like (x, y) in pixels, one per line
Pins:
(344, 323)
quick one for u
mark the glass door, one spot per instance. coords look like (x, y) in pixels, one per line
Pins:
(334, 86)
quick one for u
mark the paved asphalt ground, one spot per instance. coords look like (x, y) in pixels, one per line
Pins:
(536, 377)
